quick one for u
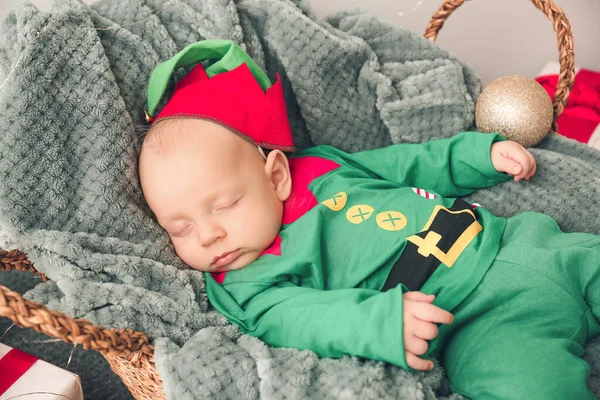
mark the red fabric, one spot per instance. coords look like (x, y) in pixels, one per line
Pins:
(582, 114)
(12, 366)
(274, 248)
(218, 276)
(303, 170)
(235, 100)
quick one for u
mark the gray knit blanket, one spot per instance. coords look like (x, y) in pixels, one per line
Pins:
(73, 90)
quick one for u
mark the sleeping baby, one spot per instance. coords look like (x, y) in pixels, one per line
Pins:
(372, 254)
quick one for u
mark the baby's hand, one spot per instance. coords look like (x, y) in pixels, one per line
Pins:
(514, 159)
(420, 317)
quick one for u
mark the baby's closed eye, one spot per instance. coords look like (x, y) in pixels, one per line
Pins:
(228, 205)
(179, 231)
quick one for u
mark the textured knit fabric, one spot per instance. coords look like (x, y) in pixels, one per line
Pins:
(72, 89)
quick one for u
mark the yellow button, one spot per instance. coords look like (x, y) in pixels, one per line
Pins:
(391, 220)
(337, 202)
(359, 214)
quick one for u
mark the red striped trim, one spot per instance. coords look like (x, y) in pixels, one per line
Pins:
(423, 193)
(12, 366)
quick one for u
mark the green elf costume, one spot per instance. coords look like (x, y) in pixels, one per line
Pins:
(359, 230)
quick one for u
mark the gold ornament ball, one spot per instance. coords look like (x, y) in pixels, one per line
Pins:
(516, 107)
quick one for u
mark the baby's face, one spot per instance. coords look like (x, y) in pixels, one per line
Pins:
(219, 200)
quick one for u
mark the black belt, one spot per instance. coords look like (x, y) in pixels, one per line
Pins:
(456, 226)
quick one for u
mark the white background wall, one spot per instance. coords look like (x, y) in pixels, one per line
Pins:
(497, 37)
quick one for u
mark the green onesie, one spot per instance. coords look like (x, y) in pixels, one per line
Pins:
(361, 229)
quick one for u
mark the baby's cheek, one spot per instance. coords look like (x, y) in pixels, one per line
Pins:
(270, 226)
(269, 234)
(190, 257)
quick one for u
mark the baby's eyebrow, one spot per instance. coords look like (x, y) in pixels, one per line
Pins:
(228, 192)
(169, 219)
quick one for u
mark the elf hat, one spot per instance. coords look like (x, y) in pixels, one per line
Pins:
(233, 92)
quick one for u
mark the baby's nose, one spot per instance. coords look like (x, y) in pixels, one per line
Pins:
(210, 233)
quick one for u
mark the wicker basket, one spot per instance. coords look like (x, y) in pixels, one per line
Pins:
(130, 354)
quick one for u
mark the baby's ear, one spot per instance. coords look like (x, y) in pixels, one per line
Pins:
(277, 169)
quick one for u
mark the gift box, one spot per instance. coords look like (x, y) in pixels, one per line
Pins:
(581, 118)
(24, 376)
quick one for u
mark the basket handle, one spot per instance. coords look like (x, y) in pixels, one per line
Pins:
(135, 346)
(562, 27)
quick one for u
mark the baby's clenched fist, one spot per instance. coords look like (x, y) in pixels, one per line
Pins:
(514, 159)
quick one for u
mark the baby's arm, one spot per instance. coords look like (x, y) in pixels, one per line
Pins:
(451, 167)
(333, 323)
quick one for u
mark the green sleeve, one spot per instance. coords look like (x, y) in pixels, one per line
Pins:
(332, 323)
(452, 167)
